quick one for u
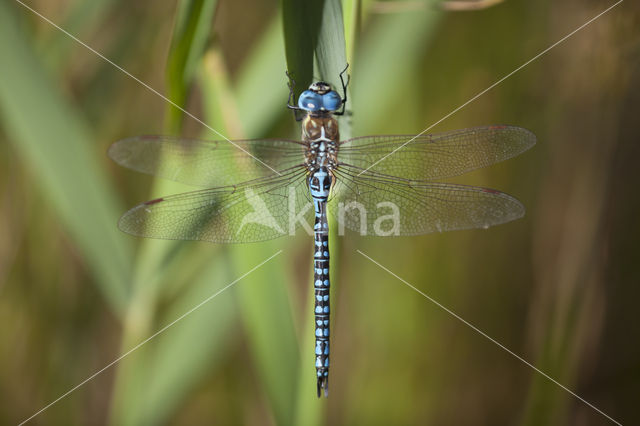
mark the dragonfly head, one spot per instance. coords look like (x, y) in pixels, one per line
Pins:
(320, 87)
(320, 97)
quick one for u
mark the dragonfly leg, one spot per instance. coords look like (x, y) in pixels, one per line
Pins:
(291, 102)
(292, 96)
(344, 90)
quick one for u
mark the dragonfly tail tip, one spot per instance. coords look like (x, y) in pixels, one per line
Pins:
(323, 384)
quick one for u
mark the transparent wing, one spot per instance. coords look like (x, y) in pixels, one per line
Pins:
(253, 211)
(380, 205)
(429, 157)
(206, 163)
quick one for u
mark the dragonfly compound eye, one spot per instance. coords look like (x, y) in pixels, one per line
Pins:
(310, 101)
(331, 101)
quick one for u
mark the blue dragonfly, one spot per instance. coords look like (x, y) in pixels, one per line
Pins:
(260, 189)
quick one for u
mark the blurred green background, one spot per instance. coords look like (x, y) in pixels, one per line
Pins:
(558, 287)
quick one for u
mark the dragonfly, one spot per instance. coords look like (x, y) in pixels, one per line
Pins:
(260, 189)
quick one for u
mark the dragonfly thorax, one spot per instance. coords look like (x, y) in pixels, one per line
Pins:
(321, 135)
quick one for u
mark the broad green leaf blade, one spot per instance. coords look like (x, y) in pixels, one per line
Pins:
(266, 62)
(383, 66)
(83, 17)
(330, 49)
(268, 321)
(172, 373)
(50, 135)
(264, 304)
(191, 32)
(353, 25)
(186, 356)
(331, 55)
(157, 378)
(302, 21)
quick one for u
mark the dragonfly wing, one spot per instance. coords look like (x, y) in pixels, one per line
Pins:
(436, 156)
(206, 163)
(386, 206)
(254, 211)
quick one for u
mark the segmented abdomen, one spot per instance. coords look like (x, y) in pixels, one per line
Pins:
(321, 290)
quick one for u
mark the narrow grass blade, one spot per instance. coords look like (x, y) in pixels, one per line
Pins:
(166, 365)
(265, 63)
(302, 21)
(264, 303)
(154, 381)
(52, 138)
(331, 55)
(383, 67)
(191, 32)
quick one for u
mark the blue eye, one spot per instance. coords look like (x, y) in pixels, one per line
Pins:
(331, 101)
(310, 101)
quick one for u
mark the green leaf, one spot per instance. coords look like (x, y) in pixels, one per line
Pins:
(353, 25)
(156, 379)
(331, 55)
(50, 135)
(391, 52)
(81, 20)
(264, 63)
(165, 365)
(302, 21)
(264, 303)
(330, 49)
(268, 321)
(191, 32)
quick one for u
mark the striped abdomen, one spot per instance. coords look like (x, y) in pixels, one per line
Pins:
(319, 184)
(321, 134)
